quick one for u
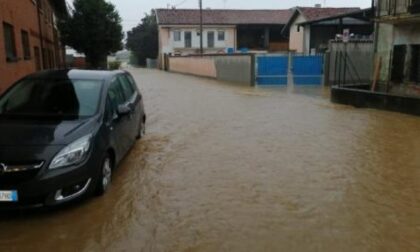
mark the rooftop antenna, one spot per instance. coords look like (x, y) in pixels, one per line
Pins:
(224, 4)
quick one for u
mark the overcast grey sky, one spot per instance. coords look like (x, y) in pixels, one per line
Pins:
(132, 11)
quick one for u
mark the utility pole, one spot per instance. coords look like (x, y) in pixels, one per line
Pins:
(201, 27)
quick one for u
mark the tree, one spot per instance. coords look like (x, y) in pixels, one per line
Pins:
(142, 40)
(93, 28)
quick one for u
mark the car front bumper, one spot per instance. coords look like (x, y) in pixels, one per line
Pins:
(52, 187)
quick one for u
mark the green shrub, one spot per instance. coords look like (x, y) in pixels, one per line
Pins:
(114, 65)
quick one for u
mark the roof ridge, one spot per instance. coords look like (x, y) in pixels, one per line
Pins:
(311, 7)
(186, 9)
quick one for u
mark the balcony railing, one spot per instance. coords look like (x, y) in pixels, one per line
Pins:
(398, 7)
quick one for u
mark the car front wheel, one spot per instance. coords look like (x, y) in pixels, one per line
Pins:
(105, 176)
(141, 130)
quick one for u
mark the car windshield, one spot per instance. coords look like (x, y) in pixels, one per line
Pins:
(52, 98)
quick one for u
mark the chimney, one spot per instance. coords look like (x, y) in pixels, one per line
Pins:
(318, 6)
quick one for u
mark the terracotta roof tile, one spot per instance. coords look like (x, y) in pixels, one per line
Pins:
(222, 17)
(312, 14)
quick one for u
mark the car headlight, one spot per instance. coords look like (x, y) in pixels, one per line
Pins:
(73, 153)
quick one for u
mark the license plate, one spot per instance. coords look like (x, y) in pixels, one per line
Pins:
(8, 196)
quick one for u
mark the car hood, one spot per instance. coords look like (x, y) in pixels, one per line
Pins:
(31, 133)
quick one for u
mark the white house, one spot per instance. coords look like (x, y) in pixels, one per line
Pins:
(223, 31)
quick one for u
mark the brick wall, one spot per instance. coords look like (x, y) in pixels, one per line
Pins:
(23, 15)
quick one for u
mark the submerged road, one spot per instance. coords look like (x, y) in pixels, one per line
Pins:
(229, 168)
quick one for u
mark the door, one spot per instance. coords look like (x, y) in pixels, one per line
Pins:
(210, 39)
(415, 64)
(398, 63)
(118, 125)
(188, 39)
(132, 99)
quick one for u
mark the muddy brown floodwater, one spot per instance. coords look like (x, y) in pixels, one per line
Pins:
(228, 168)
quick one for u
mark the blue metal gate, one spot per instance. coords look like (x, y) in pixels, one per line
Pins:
(272, 69)
(307, 70)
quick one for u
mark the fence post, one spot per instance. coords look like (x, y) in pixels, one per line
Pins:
(290, 69)
(345, 68)
(327, 66)
(339, 68)
(253, 70)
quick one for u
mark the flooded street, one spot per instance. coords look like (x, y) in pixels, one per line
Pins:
(229, 168)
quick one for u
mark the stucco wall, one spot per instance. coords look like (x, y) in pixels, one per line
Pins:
(163, 45)
(232, 68)
(193, 65)
(407, 34)
(388, 37)
(297, 38)
(385, 45)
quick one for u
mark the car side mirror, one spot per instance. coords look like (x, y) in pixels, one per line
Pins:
(124, 110)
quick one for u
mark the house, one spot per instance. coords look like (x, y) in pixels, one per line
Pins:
(397, 42)
(29, 39)
(310, 29)
(223, 31)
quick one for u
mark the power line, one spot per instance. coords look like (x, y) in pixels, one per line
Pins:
(179, 4)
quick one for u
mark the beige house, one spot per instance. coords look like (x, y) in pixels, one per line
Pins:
(185, 39)
(301, 37)
(397, 43)
(224, 31)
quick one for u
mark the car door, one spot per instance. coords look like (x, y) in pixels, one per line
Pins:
(132, 99)
(140, 106)
(119, 124)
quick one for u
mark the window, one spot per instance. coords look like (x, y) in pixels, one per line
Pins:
(398, 63)
(9, 43)
(116, 95)
(51, 59)
(415, 64)
(45, 59)
(221, 35)
(188, 39)
(177, 35)
(131, 80)
(210, 39)
(126, 87)
(52, 98)
(25, 45)
(40, 5)
(46, 14)
(37, 58)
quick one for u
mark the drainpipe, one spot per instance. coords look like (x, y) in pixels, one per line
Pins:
(41, 40)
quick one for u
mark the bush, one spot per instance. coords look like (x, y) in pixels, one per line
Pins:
(114, 65)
